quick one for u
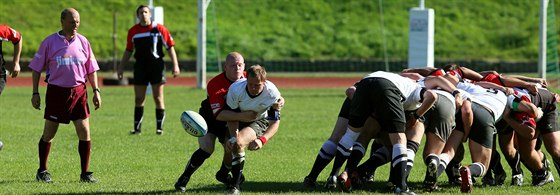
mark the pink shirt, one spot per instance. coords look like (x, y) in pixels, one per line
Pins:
(66, 62)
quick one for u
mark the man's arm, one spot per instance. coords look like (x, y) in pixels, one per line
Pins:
(173, 56)
(36, 97)
(92, 78)
(124, 60)
(14, 71)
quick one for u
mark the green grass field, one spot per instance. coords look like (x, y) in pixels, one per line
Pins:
(150, 164)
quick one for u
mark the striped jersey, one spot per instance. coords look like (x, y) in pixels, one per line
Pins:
(148, 41)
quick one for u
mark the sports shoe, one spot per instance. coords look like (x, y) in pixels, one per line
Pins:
(159, 131)
(87, 178)
(181, 184)
(232, 190)
(500, 179)
(453, 175)
(344, 182)
(369, 177)
(488, 180)
(224, 177)
(517, 180)
(356, 181)
(542, 179)
(43, 176)
(466, 182)
(309, 183)
(398, 190)
(331, 183)
(135, 132)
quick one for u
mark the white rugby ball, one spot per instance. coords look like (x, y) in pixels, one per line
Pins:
(194, 123)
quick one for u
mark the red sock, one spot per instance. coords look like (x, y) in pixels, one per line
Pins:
(44, 149)
(84, 148)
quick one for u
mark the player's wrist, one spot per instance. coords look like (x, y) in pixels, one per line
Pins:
(263, 139)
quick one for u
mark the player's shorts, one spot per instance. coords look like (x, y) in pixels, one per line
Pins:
(382, 98)
(548, 123)
(345, 110)
(152, 72)
(440, 118)
(483, 128)
(503, 127)
(216, 127)
(66, 104)
(259, 126)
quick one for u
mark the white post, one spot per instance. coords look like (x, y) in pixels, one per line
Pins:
(421, 37)
(201, 45)
(542, 39)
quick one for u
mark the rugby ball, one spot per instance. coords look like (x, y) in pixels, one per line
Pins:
(194, 123)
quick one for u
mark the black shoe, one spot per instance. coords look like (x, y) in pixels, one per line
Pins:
(331, 183)
(398, 190)
(87, 178)
(232, 190)
(488, 180)
(356, 180)
(159, 131)
(224, 177)
(369, 177)
(43, 176)
(135, 132)
(181, 184)
(309, 183)
(517, 180)
(542, 179)
(500, 179)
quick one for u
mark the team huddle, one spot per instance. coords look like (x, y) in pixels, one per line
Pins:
(450, 106)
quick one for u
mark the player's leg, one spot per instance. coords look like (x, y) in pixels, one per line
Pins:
(371, 128)
(206, 148)
(49, 131)
(506, 141)
(552, 143)
(157, 92)
(532, 159)
(139, 98)
(84, 148)
(245, 136)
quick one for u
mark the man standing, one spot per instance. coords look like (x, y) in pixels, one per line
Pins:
(69, 61)
(9, 34)
(148, 38)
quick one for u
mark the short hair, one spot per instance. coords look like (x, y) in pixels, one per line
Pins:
(66, 12)
(451, 67)
(141, 7)
(257, 71)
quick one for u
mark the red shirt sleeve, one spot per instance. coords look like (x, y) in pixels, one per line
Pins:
(9, 34)
(166, 35)
(217, 91)
(129, 43)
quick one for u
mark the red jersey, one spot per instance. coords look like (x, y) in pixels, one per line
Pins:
(217, 90)
(7, 34)
(148, 41)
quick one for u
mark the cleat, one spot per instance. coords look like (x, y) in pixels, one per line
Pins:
(43, 176)
(181, 184)
(466, 182)
(135, 132)
(309, 183)
(430, 182)
(159, 131)
(356, 181)
(224, 178)
(369, 178)
(517, 180)
(344, 182)
(232, 190)
(400, 191)
(331, 183)
(540, 180)
(500, 179)
(87, 178)
(487, 180)
(432, 169)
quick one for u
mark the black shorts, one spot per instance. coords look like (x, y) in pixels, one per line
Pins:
(216, 127)
(382, 98)
(483, 127)
(548, 123)
(152, 72)
(440, 118)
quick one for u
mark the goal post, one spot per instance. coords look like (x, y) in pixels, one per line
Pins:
(201, 45)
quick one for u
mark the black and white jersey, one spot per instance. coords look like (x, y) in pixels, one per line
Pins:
(492, 99)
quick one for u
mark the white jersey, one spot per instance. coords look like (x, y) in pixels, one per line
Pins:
(239, 98)
(446, 94)
(406, 86)
(491, 99)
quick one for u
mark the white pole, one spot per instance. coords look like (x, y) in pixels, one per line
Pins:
(542, 39)
(201, 45)
(421, 4)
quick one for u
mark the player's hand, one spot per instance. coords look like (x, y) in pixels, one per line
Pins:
(411, 122)
(458, 101)
(96, 100)
(176, 71)
(120, 73)
(278, 104)
(36, 101)
(231, 143)
(255, 144)
(249, 115)
(15, 71)
(533, 89)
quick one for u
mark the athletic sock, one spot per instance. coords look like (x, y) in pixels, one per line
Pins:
(411, 149)
(324, 157)
(160, 117)
(398, 166)
(198, 157)
(515, 163)
(237, 168)
(477, 169)
(44, 149)
(84, 149)
(138, 116)
(355, 157)
(380, 157)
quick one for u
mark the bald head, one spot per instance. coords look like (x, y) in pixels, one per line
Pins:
(68, 12)
(233, 57)
(234, 66)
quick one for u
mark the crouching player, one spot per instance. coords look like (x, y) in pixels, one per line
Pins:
(252, 94)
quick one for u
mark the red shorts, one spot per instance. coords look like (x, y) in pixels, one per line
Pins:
(66, 104)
